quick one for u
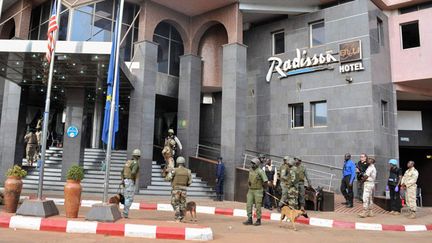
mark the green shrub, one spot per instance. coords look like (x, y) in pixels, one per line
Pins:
(16, 171)
(75, 172)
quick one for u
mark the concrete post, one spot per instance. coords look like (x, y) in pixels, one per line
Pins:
(73, 148)
(9, 127)
(233, 128)
(142, 108)
(97, 122)
(189, 103)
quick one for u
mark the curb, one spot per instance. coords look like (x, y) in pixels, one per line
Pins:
(319, 222)
(112, 229)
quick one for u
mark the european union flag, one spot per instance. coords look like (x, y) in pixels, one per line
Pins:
(110, 83)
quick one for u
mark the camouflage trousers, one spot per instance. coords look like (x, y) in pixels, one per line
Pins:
(178, 202)
(411, 198)
(289, 196)
(31, 153)
(368, 188)
(254, 196)
(129, 193)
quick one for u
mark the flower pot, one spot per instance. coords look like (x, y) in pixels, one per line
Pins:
(72, 193)
(12, 192)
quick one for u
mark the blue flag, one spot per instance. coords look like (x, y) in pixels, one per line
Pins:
(109, 94)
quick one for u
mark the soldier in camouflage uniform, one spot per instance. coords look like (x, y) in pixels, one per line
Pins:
(257, 179)
(301, 175)
(289, 179)
(180, 178)
(284, 167)
(31, 148)
(129, 174)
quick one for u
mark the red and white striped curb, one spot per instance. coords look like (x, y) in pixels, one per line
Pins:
(114, 229)
(327, 223)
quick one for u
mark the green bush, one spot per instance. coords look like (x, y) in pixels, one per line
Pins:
(16, 171)
(75, 172)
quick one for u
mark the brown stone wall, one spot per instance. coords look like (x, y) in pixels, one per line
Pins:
(21, 12)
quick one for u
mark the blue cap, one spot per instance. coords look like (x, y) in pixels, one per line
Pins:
(393, 162)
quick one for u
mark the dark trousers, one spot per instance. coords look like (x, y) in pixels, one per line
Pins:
(346, 189)
(395, 201)
(360, 190)
(219, 189)
(268, 200)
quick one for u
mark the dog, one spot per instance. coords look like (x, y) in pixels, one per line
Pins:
(292, 215)
(191, 208)
(117, 199)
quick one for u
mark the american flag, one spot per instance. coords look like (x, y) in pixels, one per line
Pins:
(52, 27)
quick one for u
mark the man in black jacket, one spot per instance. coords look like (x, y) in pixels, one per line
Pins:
(393, 184)
(361, 167)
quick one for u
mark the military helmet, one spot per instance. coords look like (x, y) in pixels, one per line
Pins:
(291, 162)
(286, 158)
(170, 131)
(255, 161)
(181, 160)
(136, 152)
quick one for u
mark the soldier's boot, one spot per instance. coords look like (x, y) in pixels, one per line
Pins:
(363, 214)
(370, 213)
(412, 215)
(257, 222)
(248, 221)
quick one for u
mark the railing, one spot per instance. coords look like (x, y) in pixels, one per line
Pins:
(319, 178)
(207, 152)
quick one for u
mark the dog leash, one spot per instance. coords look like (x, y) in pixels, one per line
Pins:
(279, 200)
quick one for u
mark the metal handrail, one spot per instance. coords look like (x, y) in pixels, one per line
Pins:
(213, 150)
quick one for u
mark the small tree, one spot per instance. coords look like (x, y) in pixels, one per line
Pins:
(75, 173)
(16, 171)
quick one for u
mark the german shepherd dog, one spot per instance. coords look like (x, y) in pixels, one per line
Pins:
(191, 208)
(292, 215)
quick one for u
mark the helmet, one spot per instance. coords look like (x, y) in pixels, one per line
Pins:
(181, 160)
(255, 161)
(261, 156)
(136, 152)
(170, 131)
(291, 162)
(393, 162)
(298, 159)
(286, 158)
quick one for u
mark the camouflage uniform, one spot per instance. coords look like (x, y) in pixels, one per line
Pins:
(289, 178)
(180, 178)
(129, 174)
(301, 175)
(256, 180)
(31, 148)
(410, 181)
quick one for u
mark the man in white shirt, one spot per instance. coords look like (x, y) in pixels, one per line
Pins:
(368, 188)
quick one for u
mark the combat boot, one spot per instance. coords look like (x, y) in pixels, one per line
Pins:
(363, 214)
(248, 222)
(370, 213)
(412, 215)
(257, 222)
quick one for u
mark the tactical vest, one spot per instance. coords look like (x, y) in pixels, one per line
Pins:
(255, 179)
(394, 176)
(283, 167)
(181, 177)
(300, 172)
(127, 169)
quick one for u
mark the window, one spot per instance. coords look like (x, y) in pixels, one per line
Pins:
(319, 114)
(278, 42)
(297, 119)
(384, 113)
(317, 33)
(39, 21)
(410, 35)
(415, 8)
(170, 48)
(380, 31)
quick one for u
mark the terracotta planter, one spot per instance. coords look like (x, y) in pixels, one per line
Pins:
(12, 192)
(72, 193)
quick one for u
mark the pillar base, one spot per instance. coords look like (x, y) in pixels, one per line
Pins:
(104, 213)
(38, 208)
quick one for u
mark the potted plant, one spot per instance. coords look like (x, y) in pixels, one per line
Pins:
(72, 191)
(13, 187)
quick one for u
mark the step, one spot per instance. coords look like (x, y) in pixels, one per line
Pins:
(61, 188)
(86, 167)
(167, 183)
(163, 179)
(102, 157)
(46, 173)
(168, 193)
(101, 150)
(46, 177)
(101, 180)
(165, 188)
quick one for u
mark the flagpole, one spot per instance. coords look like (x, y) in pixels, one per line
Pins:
(113, 103)
(47, 107)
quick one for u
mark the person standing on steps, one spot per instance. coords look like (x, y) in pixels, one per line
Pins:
(220, 175)
(361, 167)
(348, 176)
(256, 181)
(129, 175)
(31, 148)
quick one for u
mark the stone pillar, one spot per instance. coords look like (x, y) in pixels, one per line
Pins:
(73, 148)
(9, 127)
(142, 108)
(233, 127)
(97, 122)
(189, 98)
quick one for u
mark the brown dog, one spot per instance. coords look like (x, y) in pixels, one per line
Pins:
(191, 208)
(292, 215)
(116, 199)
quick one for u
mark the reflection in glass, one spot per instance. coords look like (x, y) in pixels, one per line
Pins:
(81, 26)
(318, 34)
(162, 53)
(101, 29)
(64, 19)
(175, 52)
(43, 32)
(320, 114)
(104, 9)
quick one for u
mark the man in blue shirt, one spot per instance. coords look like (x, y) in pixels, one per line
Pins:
(220, 174)
(348, 176)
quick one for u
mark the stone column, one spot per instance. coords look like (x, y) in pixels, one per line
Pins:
(142, 108)
(9, 127)
(97, 122)
(233, 127)
(189, 98)
(73, 148)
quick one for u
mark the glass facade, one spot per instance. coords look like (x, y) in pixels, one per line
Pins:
(170, 48)
(92, 22)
